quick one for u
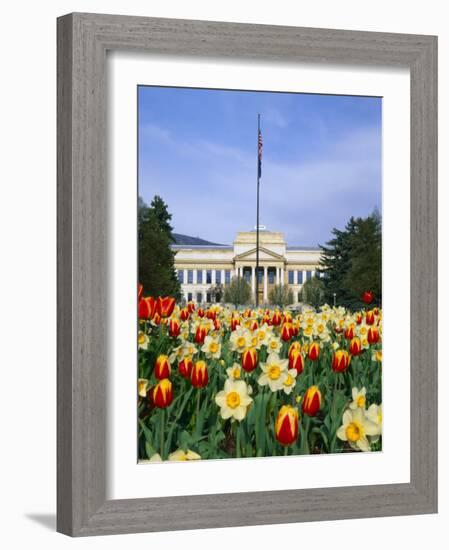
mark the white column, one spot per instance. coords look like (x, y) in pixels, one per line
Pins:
(236, 271)
(277, 275)
(282, 275)
(304, 274)
(223, 277)
(213, 277)
(295, 277)
(265, 284)
(253, 279)
(195, 272)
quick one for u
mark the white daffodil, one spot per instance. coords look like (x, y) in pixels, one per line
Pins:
(142, 340)
(355, 429)
(212, 347)
(264, 334)
(374, 413)
(358, 398)
(290, 381)
(274, 372)
(181, 456)
(377, 356)
(240, 340)
(154, 458)
(234, 372)
(233, 400)
(182, 351)
(142, 387)
(274, 344)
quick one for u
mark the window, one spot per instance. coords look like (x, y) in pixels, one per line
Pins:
(271, 275)
(181, 276)
(189, 297)
(260, 275)
(300, 277)
(190, 276)
(199, 297)
(227, 276)
(199, 276)
(208, 277)
(208, 298)
(247, 275)
(308, 275)
(218, 277)
(291, 277)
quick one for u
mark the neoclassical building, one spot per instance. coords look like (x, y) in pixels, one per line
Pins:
(201, 267)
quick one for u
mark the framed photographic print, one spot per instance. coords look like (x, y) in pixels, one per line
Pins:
(247, 274)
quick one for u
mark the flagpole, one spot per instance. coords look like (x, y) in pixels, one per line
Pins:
(257, 214)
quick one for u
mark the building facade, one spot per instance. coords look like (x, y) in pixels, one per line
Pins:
(203, 268)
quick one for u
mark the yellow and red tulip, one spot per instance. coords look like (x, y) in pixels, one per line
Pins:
(174, 327)
(185, 367)
(147, 307)
(296, 361)
(355, 346)
(373, 335)
(249, 359)
(294, 346)
(162, 393)
(200, 334)
(200, 312)
(286, 425)
(287, 331)
(370, 318)
(314, 351)
(199, 375)
(162, 367)
(165, 305)
(184, 313)
(349, 333)
(276, 318)
(311, 403)
(340, 360)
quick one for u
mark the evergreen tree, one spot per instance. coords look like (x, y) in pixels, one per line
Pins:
(312, 292)
(238, 292)
(281, 295)
(156, 258)
(351, 262)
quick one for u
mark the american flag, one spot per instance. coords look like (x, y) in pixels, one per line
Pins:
(260, 149)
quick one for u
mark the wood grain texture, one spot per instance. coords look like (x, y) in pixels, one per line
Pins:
(83, 40)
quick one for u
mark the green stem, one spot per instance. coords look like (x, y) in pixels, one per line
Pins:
(162, 427)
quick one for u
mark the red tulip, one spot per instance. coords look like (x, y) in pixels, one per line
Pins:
(355, 346)
(296, 361)
(147, 307)
(185, 367)
(162, 393)
(185, 313)
(312, 401)
(349, 333)
(235, 322)
(373, 335)
(174, 327)
(200, 334)
(314, 351)
(287, 331)
(162, 368)
(191, 307)
(370, 318)
(286, 425)
(367, 297)
(276, 318)
(340, 360)
(165, 306)
(249, 359)
(200, 312)
(199, 375)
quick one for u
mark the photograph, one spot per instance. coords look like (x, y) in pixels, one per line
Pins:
(259, 291)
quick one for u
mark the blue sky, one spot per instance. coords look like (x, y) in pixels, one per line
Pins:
(321, 160)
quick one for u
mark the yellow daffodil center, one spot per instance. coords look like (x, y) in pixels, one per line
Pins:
(289, 380)
(320, 328)
(361, 401)
(241, 342)
(261, 335)
(274, 372)
(213, 348)
(141, 338)
(273, 344)
(308, 331)
(233, 399)
(236, 373)
(353, 431)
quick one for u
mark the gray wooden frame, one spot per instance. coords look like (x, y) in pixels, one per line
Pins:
(83, 40)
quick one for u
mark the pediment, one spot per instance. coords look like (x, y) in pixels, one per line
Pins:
(264, 254)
